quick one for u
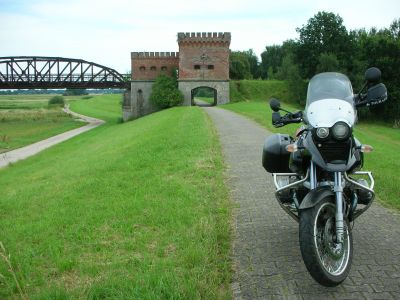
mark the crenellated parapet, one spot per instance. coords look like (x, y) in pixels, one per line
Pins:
(148, 65)
(147, 55)
(202, 61)
(204, 37)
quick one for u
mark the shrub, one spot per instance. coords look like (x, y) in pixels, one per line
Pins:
(165, 92)
(57, 100)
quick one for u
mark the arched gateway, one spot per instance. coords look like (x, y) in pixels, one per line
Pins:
(204, 95)
(202, 61)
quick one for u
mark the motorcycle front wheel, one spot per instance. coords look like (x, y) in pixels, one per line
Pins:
(327, 261)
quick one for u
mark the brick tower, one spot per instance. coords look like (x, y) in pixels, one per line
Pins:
(204, 62)
(146, 66)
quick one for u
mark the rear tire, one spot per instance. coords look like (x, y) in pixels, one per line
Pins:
(327, 262)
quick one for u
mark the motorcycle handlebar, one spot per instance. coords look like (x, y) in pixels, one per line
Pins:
(289, 118)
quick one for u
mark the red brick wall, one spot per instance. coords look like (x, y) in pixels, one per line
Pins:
(208, 51)
(153, 62)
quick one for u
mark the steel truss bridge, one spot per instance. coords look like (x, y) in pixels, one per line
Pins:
(38, 72)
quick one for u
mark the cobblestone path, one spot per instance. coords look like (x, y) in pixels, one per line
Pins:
(266, 250)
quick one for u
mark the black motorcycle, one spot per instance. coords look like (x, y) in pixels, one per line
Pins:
(317, 174)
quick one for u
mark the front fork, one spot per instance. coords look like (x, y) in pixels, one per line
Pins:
(338, 189)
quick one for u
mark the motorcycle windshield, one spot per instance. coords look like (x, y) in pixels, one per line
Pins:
(330, 100)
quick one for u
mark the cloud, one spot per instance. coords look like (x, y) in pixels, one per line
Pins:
(107, 31)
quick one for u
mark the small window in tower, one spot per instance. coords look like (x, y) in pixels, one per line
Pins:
(211, 67)
(197, 67)
(153, 68)
(142, 68)
(163, 68)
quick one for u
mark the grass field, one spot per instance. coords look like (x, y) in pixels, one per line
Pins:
(25, 119)
(137, 210)
(258, 90)
(104, 107)
(384, 162)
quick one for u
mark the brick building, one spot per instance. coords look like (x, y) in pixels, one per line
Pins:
(202, 61)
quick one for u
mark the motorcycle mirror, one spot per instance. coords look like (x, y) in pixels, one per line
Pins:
(275, 104)
(373, 75)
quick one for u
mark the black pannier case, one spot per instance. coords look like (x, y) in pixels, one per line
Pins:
(275, 157)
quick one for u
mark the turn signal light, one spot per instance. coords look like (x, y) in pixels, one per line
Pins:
(366, 148)
(291, 148)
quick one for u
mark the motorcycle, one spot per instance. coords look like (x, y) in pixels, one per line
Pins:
(317, 174)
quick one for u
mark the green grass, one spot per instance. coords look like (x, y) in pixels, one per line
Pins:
(258, 90)
(24, 101)
(262, 114)
(209, 100)
(384, 162)
(104, 107)
(137, 210)
(25, 119)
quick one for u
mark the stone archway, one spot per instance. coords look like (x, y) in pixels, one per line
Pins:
(204, 96)
(221, 88)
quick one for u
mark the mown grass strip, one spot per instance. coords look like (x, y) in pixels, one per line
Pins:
(383, 162)
(126, 211)
(104, 107)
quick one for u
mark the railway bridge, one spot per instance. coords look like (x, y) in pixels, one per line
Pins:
(39, 72)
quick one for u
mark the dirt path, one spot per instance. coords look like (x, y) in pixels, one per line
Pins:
(24, 152)
(266, 251)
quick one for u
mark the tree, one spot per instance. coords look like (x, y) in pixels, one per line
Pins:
(290, 72)
(323, 33)
(253, 63)
(239, 66)
(327, 62)
(395, 29)
(165, 92)
(271, 59)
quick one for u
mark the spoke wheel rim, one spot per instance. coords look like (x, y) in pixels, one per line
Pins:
(333, 257)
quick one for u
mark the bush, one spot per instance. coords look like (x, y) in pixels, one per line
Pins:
(57, 100)
(165, 92)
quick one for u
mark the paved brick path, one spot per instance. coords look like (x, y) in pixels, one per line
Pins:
(266, 250)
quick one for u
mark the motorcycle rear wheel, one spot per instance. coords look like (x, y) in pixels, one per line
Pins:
(328, 262)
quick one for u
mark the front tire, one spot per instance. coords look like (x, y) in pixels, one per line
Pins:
(328, 262)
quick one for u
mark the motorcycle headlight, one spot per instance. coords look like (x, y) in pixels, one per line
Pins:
(322, 132)
(341, 131)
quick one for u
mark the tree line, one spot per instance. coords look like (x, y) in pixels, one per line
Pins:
(324, 45)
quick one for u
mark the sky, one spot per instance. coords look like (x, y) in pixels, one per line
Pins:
(107, 31)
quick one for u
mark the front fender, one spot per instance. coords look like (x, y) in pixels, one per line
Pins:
(315, 196)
